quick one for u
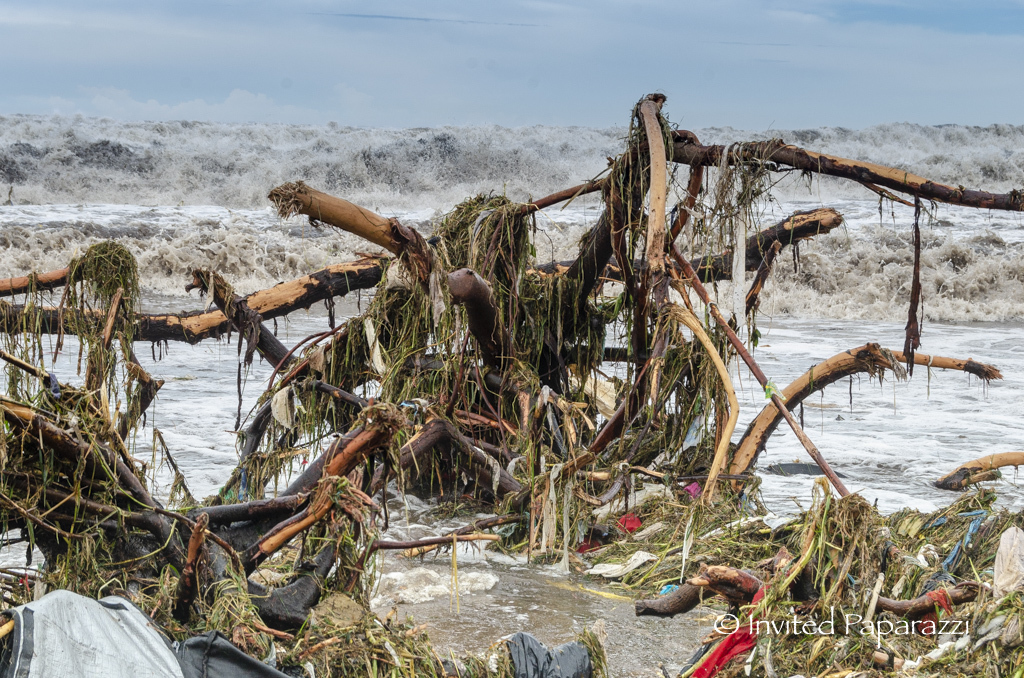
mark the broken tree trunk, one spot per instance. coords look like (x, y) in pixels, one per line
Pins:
(978, 471)
(791, 230)
(298, 198)
(869, 358)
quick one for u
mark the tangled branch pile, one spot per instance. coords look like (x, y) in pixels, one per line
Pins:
(545, 389)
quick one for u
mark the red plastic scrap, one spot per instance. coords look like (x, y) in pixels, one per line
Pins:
(629, 523)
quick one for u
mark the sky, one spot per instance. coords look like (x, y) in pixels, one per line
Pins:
(757, 65)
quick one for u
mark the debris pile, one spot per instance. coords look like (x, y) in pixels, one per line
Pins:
(588, 402)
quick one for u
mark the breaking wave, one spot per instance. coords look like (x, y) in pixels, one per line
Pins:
(186, 194)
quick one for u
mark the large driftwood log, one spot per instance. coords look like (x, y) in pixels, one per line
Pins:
(978, 471)
(868, 358)
(866, 173)
(274, 302)
(34, 281)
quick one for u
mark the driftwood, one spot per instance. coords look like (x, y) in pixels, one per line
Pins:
(34, 281)
(979, 471)
(736, 586)
(870, 358)
(916, 608)
(188, 585)
(901, 181)
(686, 597)
(503, 402)
(470, 290)
(247, 322)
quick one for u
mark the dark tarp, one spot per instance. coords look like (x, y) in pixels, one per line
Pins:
(532, 660)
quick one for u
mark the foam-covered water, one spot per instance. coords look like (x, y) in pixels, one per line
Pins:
(188, 194)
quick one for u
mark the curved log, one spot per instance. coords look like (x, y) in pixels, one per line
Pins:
(470, 290)
(979, 470)
(869, 358)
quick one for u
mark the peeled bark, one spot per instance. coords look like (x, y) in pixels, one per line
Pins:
(34, 281)
(273, 302)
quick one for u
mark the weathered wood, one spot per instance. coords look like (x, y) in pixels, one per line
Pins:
(247, 322)
(775, 151)
(274, 302)
(472, 292)
(341, 458)
(34, 281)
(298, 198)
(868, 358)
(682, 600)
(916, 608)
(188, 582)
(735, 585)
(791, 230)
(979, 470)
(761, 277)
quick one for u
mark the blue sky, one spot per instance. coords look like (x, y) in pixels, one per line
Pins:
(754, 65)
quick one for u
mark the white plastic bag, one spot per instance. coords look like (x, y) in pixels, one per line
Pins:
(1009, 569)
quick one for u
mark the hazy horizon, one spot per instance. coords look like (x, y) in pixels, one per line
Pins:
(398, 64)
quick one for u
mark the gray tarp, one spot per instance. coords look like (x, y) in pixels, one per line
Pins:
(532, 660)
(65, 635)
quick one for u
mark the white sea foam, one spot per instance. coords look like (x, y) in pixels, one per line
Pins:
(76, 181)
